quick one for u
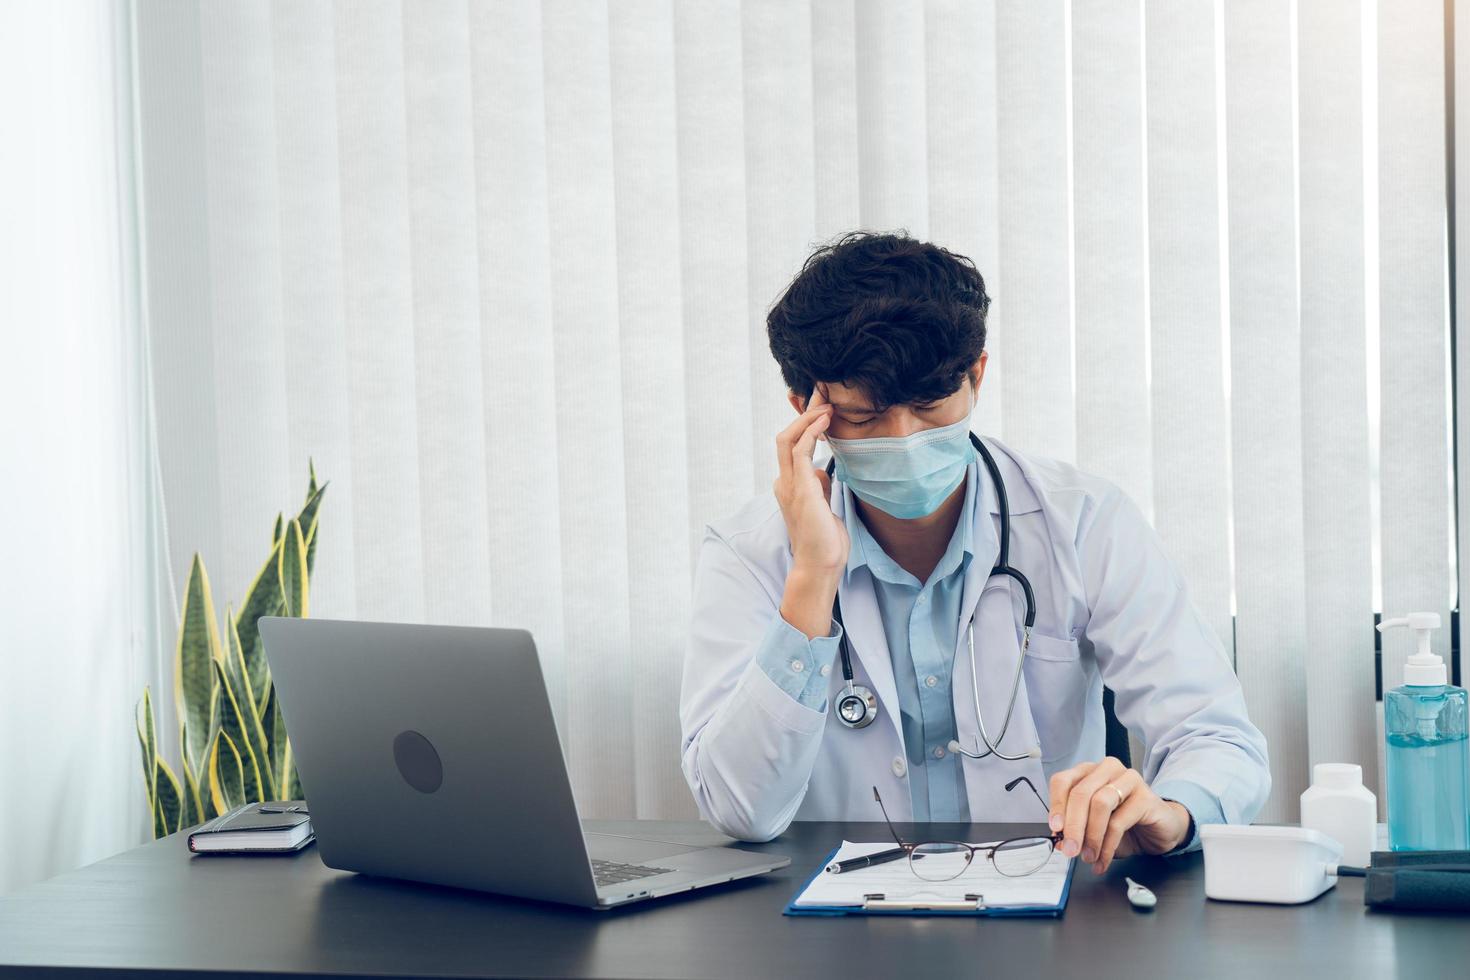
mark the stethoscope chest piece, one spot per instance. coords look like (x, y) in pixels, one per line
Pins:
(857, 706)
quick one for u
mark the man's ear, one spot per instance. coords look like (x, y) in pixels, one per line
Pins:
(797, 402)
(977, 370)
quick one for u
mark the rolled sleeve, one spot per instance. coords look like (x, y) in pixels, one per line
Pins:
(1202, 805)
(798, 665)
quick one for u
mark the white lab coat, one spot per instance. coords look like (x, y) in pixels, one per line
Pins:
(1110, 607)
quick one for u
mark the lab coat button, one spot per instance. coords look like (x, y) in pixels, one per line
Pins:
(899, 767)
(826, 669)
(797, 666)
(939, 752)
(930, 681)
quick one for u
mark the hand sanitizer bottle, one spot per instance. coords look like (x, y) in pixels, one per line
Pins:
(1428, 755)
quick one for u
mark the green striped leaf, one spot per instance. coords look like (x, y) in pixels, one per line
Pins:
(226, 776)
(234, 727)
(308, 519)
(311, 550)
(263, 598)
(198, 647)
(169, 815)
(308, 514)
(255, 734)
(274, 724)
(293, 575)
(147, 736)
(193, 803)
(147, 743)
(291, 781)
(276, 532)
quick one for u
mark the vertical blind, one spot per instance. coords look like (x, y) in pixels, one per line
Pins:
(502, 269)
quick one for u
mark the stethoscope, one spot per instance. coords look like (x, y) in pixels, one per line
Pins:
(857, 706)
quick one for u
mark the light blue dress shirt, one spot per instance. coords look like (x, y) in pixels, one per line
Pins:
(921, 624)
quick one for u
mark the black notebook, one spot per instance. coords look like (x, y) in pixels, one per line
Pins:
(271, 828)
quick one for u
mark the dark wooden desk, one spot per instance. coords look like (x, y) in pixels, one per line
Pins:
(156, 909)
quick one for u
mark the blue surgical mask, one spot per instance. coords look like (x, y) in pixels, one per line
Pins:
(906, 476)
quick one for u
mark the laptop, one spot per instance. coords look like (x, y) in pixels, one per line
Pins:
(430, 753)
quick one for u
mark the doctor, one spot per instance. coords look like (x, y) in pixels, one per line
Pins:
(880, 340)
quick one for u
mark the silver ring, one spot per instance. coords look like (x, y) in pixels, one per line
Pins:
(1117, 791)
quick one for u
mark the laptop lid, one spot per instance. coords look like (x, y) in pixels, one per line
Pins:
(430, 753)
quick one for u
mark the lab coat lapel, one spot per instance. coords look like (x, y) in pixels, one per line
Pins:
(998, 607)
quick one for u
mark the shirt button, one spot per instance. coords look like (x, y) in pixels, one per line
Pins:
(797, 666)
(826, 669)
(939, 752)
(931, 681)
(899, 767)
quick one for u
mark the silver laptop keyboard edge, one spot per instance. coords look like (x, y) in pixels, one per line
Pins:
(613, 873)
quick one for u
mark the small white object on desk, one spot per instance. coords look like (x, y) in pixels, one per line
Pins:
(1139, 896)
(1281, 865)
(1338, 804)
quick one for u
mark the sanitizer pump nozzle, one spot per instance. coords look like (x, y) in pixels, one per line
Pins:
(1424, 668)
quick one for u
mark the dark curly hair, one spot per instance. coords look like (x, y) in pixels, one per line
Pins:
(899, 319)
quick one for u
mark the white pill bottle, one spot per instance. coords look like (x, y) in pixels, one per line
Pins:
(1340, 806)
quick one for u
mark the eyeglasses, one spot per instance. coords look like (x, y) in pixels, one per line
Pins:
(943, 860)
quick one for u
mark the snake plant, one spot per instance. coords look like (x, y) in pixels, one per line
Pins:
(233, 747)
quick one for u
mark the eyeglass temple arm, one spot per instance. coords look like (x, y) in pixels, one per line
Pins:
(884, 810)
(1022, 779)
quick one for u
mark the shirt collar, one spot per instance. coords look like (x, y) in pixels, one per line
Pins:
(864, 549)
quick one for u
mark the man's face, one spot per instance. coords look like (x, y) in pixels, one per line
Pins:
(853, 416)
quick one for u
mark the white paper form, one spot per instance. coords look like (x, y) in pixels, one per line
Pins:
(897, 882)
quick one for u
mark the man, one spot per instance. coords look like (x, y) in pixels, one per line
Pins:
(881, 339)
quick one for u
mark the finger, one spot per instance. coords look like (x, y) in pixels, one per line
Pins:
(1079, 803)
(1123, 820)
(826, 482)
(1061, 785)
(801, 454)
(787, 437)
(819, 400)
(1100, 811)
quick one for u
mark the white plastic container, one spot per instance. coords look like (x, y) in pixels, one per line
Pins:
(1281, 865)
(1339, 805)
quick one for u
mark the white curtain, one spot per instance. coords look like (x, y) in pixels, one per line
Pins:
(501, 270)
(80, 633)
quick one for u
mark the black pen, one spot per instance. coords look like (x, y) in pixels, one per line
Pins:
(881, 857)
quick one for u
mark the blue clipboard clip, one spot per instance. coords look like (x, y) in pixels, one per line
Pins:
(876, 901)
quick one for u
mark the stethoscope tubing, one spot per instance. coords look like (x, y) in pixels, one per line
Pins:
(1002, 567)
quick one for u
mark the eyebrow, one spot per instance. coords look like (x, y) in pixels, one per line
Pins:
(864, 409)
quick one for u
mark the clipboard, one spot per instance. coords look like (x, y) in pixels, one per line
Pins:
(969, 903)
